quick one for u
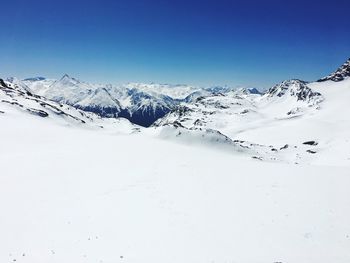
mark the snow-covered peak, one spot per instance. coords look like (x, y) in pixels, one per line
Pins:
(296, 89)
(247, 91)
(68, 81)
(340, 74)
(177, 91)
(253, 91)
(100, 102)
(292, 97)
(286, 87)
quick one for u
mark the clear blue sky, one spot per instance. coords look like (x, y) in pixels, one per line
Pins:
(252, 43)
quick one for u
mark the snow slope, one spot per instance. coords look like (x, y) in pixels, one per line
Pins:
(17, 102)
(282, 120)
(215, 180)
(80, 195)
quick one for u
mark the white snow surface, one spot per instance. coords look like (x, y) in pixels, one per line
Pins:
(80, 195)
(75, 187)
(278, 119)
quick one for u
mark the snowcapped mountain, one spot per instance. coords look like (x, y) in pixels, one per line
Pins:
(140, 103)
(16, 100)
(268, 172)
(179, 91)
(239, 118)
(225, 109)
(272, 121)
(69, 194)
(294, 88)
(340, 74)
(144, 108)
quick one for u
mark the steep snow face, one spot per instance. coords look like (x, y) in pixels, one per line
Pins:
(15, 82)
(341, 73)
(38, 85)
(100, 102)
(145, 109)
(67, 90)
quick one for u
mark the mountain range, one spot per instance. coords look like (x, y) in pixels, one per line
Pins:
(144, 104)
(174, 173)
(242, 117)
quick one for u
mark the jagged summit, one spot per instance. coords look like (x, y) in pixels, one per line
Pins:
(282, 88)
(66, 77)
(248, 91)
(296, 89)
(340, 74)
(68, 82)
(254, 91)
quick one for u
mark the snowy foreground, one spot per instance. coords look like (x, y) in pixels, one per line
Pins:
(81, 195)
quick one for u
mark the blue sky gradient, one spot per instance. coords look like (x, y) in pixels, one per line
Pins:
(250, 43)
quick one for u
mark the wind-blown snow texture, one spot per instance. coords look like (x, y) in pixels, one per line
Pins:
(225, 175)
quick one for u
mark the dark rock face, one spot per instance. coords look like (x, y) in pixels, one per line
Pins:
(284, 147)
(106, 112)
(254, 91)
(3, 84)
(340, 74)
(37, 112)
(305, 93)
(145, 117)
(313, 143)
(296, 88)
(35, 79)
(284, 87)
(310, 151)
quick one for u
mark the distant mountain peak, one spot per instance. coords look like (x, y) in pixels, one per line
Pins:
(254, 91)
(68, 80)
(282, 88)
(340, 74)
(248, 91)
(34, 79)
(66, 76)
(295, 88)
